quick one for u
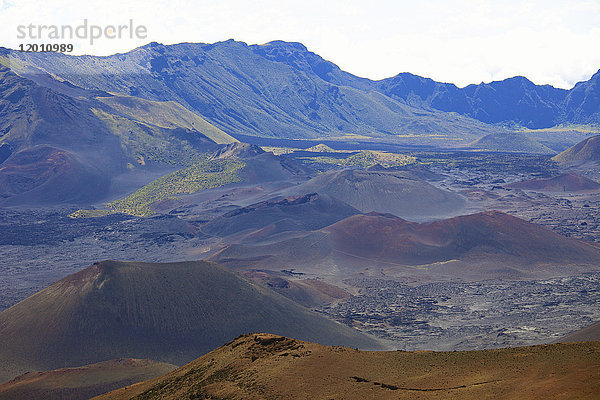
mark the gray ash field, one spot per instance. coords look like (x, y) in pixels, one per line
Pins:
(40, 246)
(470, 316)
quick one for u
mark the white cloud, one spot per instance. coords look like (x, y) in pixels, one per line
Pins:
(456, 41)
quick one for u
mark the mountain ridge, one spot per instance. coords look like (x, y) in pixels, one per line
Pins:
(273, 90)
(514, 100)
(95, 135)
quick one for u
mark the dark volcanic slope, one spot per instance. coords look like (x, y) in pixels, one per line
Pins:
(62, 138)
(479, 246)
(584, 151)
(33, 114)
(48, 175)
(272, 367)
(54, 135)
(260, 166)
(488, 233)
(570, 182)
(590, 333)
(165, 312)
(81, 383)
(397, 193)
(308, 212)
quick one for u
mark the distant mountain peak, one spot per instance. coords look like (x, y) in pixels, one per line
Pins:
(284, 44)
(153, 44)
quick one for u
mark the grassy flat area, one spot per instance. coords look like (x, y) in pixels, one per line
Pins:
(565, 128)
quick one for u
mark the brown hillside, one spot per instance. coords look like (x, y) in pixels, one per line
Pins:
(308, 292)
(166, 312)
(267, 218)
(390, 238)
(81, 383)
(47, 175)
(263, 366)
(479, 246)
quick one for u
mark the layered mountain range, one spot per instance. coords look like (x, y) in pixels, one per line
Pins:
(87, 119)
(359, 185)
(247, 90)
(259, 89)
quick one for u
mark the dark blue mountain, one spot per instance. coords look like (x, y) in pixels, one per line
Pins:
(514, 100)
(582, 103)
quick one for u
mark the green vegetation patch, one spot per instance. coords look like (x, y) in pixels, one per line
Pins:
(366, 159)
(539, 164)
(165, 114)
(146, 143)
(201, 175)
(564, 128)
(321, 148)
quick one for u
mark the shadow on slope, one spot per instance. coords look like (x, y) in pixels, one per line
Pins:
(100, 137)
(267, 218)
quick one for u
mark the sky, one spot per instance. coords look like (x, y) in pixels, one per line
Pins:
(458, 41)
